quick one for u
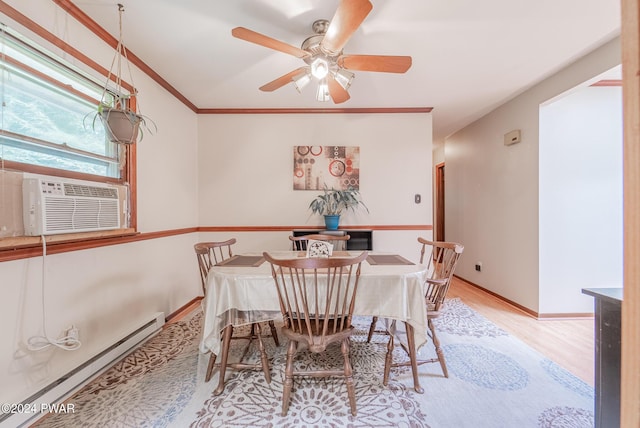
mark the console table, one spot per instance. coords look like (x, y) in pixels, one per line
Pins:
(360, 239)
(608, 317)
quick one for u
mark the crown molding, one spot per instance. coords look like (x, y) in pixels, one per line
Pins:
(314, 110)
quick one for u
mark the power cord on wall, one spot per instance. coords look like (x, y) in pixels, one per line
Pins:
(69, 341)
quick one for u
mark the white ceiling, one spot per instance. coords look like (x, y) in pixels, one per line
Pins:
(469, 56)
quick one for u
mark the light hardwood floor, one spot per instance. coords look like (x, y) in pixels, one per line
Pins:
(569, 343)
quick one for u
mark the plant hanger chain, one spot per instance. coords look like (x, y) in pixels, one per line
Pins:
(121, 51)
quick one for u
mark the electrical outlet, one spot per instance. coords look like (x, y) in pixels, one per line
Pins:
(72, 335)
(479, 266)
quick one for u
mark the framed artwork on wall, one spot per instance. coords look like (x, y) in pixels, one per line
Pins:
(315, 167)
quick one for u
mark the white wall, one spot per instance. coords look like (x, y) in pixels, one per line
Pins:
(246, 170)
(211, 171)
(438, 153)
(106, 292)
(492, 190)
(580, 197)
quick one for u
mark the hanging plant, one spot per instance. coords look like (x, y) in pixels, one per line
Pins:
(122, 124)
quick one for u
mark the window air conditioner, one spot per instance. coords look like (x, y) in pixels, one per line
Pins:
(54, 205)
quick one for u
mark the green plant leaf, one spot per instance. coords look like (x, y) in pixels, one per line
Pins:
(334, 202)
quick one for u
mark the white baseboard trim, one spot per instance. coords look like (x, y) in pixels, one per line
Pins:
(51, 398)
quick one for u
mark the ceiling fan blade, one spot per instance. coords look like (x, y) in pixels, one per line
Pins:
(381, 63)
(281, 81)
(266, 41)
(345, 22)
(337, 92)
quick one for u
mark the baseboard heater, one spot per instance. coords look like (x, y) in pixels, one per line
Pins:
(65, 386)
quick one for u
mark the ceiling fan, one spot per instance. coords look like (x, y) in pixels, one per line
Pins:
(323, 54)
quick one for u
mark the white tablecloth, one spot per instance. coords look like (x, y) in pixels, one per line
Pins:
(239, 295)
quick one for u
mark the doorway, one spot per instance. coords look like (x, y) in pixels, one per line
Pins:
(438, 233)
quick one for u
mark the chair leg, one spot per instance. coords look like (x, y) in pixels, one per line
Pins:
(210, 367)
(274, 333)
(288, 377)
(226, 342)
(348, 374)
(372, 328)
(439, 352)
(252, 335)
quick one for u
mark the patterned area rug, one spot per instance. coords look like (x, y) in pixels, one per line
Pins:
(495, 380)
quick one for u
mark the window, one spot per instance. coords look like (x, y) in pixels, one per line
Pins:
(47, 107)
(47, 116)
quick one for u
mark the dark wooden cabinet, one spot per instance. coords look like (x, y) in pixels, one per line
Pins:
(360, 239)
(608, 322)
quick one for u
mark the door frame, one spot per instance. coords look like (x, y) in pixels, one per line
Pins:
(438, 214)
(630, 340)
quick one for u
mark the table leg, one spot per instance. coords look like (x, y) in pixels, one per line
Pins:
(411, 345)
(388, 361)
(224, 355)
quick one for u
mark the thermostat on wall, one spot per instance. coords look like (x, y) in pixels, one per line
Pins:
(512, 137)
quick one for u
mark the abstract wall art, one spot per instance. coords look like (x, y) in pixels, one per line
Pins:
(315, 167)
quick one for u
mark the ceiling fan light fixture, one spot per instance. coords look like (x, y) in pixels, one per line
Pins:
(323, 91)
(344, 78)
(320, 68)
(323, 55)
(300, 81)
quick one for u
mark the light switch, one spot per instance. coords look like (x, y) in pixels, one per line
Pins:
(418, 198)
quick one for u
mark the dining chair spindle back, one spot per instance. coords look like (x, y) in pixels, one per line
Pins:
(317, 297)
(210, 254)
(441, 259)
(339, 242)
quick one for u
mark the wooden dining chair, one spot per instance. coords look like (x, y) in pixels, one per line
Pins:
(441, 259)
(339, 242)
(210, 254)
(317, 297)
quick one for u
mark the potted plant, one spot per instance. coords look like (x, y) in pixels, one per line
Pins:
(331, 203)
(121, 123)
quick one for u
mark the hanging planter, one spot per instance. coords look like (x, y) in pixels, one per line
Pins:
(122, 124)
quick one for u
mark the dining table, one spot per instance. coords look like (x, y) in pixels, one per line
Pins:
(241, 291)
